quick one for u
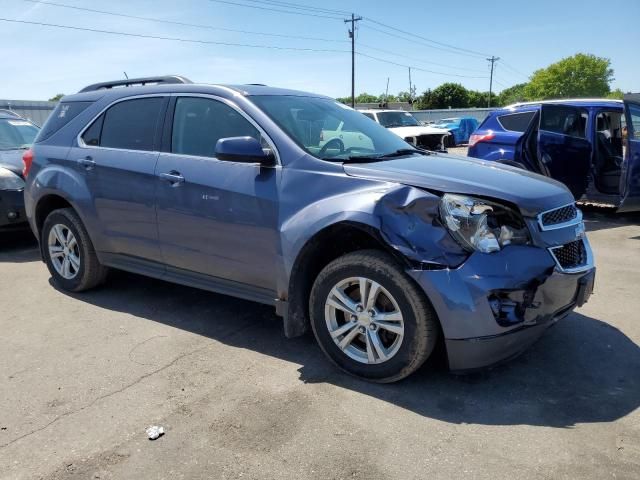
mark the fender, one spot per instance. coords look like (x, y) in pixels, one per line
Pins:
(64, 182)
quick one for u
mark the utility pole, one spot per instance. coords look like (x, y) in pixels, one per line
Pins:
(493, 60)
(410, 90)
(352, 36)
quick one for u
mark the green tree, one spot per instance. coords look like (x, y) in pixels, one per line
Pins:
(582, 75)
(616, 94)
(366, 98)
(451, 95)
(57, 97)
(425, 101)
(513, 94)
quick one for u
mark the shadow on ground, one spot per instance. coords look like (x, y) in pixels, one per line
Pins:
(598, 218)
(582, 371)
(18, 246)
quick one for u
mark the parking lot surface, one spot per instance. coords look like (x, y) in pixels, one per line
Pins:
(82, 376)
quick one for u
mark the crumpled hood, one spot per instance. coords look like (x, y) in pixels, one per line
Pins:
(415, 131)
(532, 193)
(12, 160)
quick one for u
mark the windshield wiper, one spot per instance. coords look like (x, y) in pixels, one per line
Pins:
(398, 153)
(405, 151)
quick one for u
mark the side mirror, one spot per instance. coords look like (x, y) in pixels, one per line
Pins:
(244, 149)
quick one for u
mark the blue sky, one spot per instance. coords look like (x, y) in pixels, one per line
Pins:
(43, 61)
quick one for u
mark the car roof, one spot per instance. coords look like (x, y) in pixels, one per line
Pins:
(225, 91)
(595, 102)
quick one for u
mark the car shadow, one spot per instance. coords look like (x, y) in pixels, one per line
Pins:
(582, 371)
(596, 218)
(18, 246)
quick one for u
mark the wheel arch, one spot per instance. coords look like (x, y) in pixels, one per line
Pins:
(320, 249)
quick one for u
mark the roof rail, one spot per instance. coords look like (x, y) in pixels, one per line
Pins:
(136, 81)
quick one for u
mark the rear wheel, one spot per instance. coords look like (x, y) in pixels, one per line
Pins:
(371, 319)
(69, 253)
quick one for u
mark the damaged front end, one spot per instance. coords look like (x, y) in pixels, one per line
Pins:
(490, 274)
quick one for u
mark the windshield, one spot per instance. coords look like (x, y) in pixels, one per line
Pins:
(397, 119)
(329, 130)
(16, 133)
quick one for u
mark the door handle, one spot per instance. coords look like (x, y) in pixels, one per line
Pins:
(173, 177)
(87, 162)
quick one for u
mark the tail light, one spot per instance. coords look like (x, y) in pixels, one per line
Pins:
(27, 160)
(479, 137)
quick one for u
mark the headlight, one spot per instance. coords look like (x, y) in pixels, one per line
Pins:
(482, 225)
(9, 180)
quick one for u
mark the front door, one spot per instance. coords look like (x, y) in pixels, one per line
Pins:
(563, 150)
(630, 178)
(117, 155)
(215, 217)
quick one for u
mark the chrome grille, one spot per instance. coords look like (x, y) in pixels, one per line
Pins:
(571, 255)
(560, 217)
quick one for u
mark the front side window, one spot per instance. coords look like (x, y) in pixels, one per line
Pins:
(516, 122)
(16, 134)
(198, 124)
(344, 133)
(127, 125)
(397, 119)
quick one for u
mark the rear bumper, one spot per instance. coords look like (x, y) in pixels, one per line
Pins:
(495, 306)
(12, 212)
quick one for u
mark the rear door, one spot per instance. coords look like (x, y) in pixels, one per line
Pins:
(117, 155)
(630, 177)
(563, 150)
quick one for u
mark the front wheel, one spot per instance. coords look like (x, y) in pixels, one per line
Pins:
(371, 319)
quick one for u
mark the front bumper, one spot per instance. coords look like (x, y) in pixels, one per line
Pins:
(12, 212)
(495, 305)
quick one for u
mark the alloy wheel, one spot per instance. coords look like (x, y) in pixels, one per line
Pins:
(364, 320)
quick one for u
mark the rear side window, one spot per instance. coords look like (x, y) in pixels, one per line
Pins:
(198, 124)
(128, 125)
(516, 122)
(370, 115)
(564, 120)
(61, 115)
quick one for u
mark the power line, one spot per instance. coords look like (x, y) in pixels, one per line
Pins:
(174, 39)
(416, 41)
(414, 68)
(514, 70)
(418, 59)
(183, 24)
(446, 45)
(277, 10)
(300, 7)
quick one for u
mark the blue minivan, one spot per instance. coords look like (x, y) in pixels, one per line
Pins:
(582, 143)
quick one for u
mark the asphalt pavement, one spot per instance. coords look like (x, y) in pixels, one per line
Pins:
(82, 377)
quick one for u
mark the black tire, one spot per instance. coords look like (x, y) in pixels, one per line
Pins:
(420, 321)
(90, 272)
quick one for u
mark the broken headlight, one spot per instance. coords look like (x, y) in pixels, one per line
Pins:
(482, 225)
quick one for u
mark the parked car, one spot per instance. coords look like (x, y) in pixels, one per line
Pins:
(578, 142)
(460, 128)
(16, 135)
(383, 251)
(407, 126)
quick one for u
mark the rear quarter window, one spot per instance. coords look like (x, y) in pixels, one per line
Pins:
(516, 122)
(61, 115)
